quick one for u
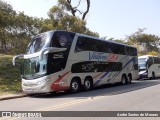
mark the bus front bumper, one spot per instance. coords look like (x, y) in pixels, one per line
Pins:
(143, 75)
(32, 87)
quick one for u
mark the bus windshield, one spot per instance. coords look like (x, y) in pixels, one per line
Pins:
(142, 63)
(37, 44)
(33, 68)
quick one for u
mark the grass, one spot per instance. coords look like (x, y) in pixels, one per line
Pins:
(10, 81)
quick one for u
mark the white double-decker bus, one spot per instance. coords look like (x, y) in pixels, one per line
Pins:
(61, 60)
(149, 66)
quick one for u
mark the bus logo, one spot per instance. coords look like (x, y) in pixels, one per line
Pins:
(97, 56)
(112, 57)
(62, 40)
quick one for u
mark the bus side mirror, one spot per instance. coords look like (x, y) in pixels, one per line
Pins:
(147, 66)
(14, 59)
(139, 68)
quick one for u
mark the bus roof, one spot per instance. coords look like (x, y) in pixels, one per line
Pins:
(80, 34)
(147, 56)
(105, 40)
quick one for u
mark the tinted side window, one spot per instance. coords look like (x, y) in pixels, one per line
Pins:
(91, 43)
(133, 51)
(121, 50)
(103, 46)
(156, 60)
(81, 44)
(107, 47)
(113, 48)
(85, 44)
(150, 61)
(127, 50)
(62, 39)
(100, 46)
(117, 49)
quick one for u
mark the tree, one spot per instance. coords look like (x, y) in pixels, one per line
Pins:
(63, 17)
(73, 9)
(6, 17)
(145, 42)
(16, 29)
(153, 53)
(20, 33)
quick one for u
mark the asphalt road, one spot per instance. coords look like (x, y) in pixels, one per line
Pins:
(138, 96)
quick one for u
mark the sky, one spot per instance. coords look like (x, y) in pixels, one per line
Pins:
(110, 18)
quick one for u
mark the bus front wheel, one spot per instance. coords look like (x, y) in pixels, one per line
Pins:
(75, 86)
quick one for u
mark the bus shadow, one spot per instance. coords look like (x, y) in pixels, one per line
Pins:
(105, 90)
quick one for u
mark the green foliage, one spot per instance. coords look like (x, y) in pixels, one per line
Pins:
(10, 81)
(16, 29)
(6, 12)
(153, 53)
(62, 20)
(146, 43)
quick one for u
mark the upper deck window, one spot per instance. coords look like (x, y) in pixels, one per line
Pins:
(37, 44)
(62, 39)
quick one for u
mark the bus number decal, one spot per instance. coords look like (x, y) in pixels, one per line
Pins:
(59, 55)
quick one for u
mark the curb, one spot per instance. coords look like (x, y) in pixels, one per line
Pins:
(12, 96)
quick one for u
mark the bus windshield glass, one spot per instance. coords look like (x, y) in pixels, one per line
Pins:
(33, 68)
(39, 42)
(142, 63)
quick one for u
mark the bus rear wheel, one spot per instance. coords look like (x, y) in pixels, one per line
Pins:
(129, 79)
(123, 80)
(75, 86)
(153, 76)
(88, 84)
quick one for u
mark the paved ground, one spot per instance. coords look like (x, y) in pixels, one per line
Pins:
(138, 96)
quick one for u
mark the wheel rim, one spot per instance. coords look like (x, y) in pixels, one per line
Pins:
(87, 84)
(153, 76)
(75, 86)
(123, 80)
(130, 79)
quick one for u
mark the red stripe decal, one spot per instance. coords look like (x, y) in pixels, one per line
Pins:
(55, 86)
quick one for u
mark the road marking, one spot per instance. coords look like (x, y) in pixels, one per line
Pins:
(8, 118)
(62, 105)
(70, 103)
(5, 118)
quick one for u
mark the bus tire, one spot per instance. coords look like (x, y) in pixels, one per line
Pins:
(123, 79)
(75, 86)
(88, 84)
(153, 76)
(129, 80)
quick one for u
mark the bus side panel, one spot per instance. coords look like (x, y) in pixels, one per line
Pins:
(154, 68)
